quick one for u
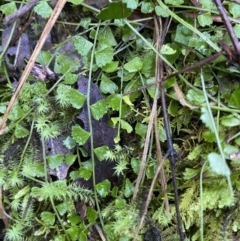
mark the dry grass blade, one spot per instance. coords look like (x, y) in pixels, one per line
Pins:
(57, 10)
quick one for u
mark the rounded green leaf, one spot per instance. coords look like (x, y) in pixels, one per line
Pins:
(76, 98)
(99, 109)
(134, 65)
(114, 101)
(48, 218)
(230, 121)
(147, 7)
(91, 215)
(218, 165)
(20, 131)
(55, 160)
(103, 188)
(107, 86)
(80, 135)
(8, 8)
(74, 219)
(167, 50)
(103, 55)
(205, 19)
(173, 108)
(82, 45)
(161, 12)
(43, 9)
(100, 152)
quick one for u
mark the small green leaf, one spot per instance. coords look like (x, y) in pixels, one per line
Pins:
(148, 64)
(107, 86)
(100, 152)
(85, 170)
(234, 9)
(132, 4)
(44, 57)
(161, 12)
(69, 142)
(115, 192)
(126, 126)
(127, 100)
(70, 159)
(206, 4)
(230, 121)
(190, 173)
(76, 98)
(80, 135)
(43, 9)
(110, 67)
(235, 99)
(62, 208)
(209, 136)
(195, 153)
(135, 164)
(218, 165)
(141, 129)
(74, 219)
(237, 30)
(16, 113)
(82, 237)
(195, 97)
(55, 160)
(114, 101)
(205, 19)
(169, 82)
(183, 34)
(120, 203)
(82, 45)
(73, 232)
(167, 50)
(129, 187)
(103, 55)
(103, 188)
(48, 218)
(20, 131)
(70, 78)
(99, 109)
(173, 108)
(114, 10)
(65, 64)
(106, 36)
(134, 65)
(8, 8)
(147, 7)
(85, 22)
(91, 215)
(206, 118)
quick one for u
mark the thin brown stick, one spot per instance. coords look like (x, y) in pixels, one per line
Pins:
(161, 172)
(146, 144)
(57, 10)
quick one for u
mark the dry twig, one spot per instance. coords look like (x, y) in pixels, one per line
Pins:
(57, 10)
